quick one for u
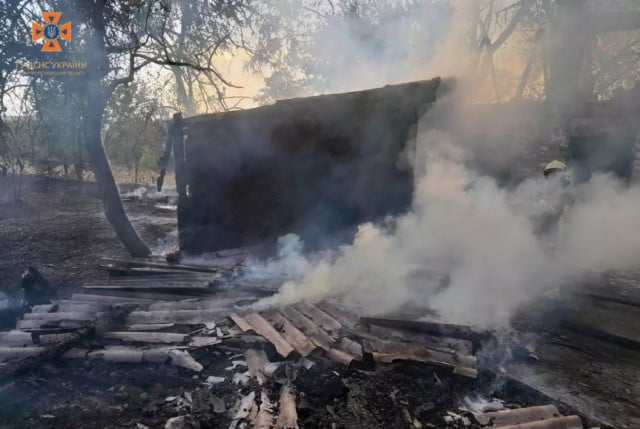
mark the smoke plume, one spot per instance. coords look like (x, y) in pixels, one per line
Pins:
(471, 247)
(483, 238)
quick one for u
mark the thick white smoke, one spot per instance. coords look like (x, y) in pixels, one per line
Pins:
(290, 262)
(485, 240)
(483, 237)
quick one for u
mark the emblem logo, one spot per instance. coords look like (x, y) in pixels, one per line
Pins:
(51, 32)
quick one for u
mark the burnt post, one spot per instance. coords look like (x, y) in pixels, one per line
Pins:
(174, 142)
(176, 134)
(163, 162)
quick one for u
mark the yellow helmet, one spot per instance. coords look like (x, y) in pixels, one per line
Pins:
(554, 166)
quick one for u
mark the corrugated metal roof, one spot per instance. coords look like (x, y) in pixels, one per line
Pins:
(291, 333)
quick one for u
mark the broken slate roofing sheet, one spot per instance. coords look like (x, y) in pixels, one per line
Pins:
(158, 311)
(303, 328)
(141, 315)
(538, 417)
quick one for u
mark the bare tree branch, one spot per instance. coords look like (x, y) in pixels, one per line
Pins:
(513, 24)
(170, 62)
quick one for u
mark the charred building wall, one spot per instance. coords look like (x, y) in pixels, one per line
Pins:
(316, 166)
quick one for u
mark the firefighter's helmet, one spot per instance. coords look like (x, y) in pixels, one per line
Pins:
(553, 167)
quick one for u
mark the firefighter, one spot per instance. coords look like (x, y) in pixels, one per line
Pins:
(557, 197)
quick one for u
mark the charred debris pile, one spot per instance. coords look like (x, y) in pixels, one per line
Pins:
(179, 346)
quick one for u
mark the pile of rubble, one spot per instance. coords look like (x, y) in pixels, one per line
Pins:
(220, 364)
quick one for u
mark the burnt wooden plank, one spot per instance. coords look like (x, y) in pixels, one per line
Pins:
(107, 299)
(389, 351)
(157, 264)
(146, 337)
(608, 321)
(446, 344)
(175, 316)
(517, 416)
(18, 366)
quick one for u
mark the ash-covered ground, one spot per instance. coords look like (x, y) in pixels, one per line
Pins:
(59, 227)
(107, 395)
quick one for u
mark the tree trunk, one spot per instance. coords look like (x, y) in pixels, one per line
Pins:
(109, 193)
(181, 90)
(96, 96)
(569, 37)
(186, 100)
(525, 74)
(78, 162)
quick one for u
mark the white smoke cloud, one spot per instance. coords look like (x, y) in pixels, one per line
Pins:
(600, 232)
(290, 262)
(483, 237)
(349, 46)
(491, 243)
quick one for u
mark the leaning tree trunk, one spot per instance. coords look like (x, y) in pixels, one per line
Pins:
(96, 96)
(181, 92)
(113, 208)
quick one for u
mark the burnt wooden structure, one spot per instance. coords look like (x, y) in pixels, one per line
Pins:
(319, 166)
(315, 166)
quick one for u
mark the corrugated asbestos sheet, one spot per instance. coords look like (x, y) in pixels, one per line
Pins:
(303, 328)
(144, 316)
(154, 312)
(540, 417)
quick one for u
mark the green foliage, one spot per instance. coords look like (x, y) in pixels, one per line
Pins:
(617, 62)
(57, 134)
(133, 131)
